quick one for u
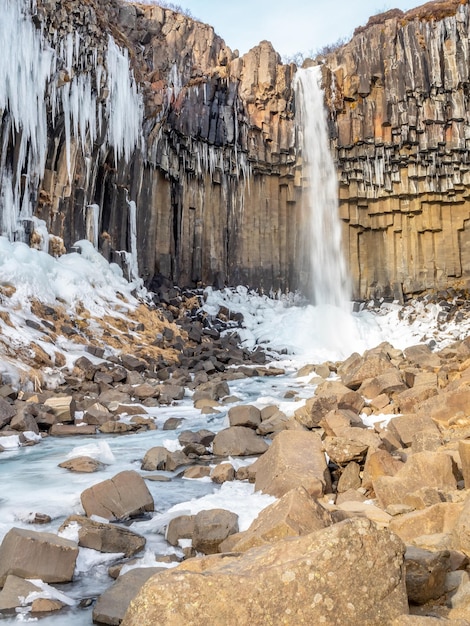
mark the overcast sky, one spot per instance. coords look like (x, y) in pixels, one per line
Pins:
(291, 25)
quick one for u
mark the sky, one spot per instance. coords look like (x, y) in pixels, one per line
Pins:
(295, 26)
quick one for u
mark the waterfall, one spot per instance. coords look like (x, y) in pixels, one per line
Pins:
(329, 281)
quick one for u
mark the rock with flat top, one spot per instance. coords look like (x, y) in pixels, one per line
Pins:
(32, 554)
(123, 496)
(105, 537)
(238, 441)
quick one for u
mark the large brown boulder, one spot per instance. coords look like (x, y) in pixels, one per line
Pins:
(31, 554)
(295, 514)
(123, 496)
(238, 441)
(450, 407)
(349, 573)
(356, 369)
(431, 470)
(295, 459)
(105, 537)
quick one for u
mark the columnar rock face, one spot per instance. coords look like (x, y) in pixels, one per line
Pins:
(398, 97)
(179, 159)
(189, 150)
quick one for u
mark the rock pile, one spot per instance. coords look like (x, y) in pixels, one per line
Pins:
(369, 524)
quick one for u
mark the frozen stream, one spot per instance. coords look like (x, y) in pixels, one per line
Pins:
(33, 483)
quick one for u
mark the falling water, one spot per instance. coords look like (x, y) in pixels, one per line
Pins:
(329, 281)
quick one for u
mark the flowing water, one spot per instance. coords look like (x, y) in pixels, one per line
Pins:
(329, 280)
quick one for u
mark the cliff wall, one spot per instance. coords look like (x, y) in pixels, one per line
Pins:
(209, 170)
(180, 160)
(398, 95)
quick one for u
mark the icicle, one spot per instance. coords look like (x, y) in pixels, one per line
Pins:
(92, 223)
(124, 105)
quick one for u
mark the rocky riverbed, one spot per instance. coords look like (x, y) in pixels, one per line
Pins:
(367, 455)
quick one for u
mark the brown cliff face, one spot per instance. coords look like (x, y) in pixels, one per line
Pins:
(399, 97)
(214, 169)
(214, 185)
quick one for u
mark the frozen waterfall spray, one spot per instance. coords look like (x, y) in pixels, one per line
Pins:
(329, 281)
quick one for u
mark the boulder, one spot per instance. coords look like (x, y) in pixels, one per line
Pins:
(295, 514)
(159, 458)
(238, 441)
(181, 527)
(222, 473)
(329, 395)
(112, 605)
(14, 591)
(391, 381)
(437, 519)
(32, 554)
(379, 463)
(105, 537)
(341, 450)
(432, 470)
(244, 415)
(276, 422)
(311, 579)
(461, 530)
(356, 369)
(123, 496)
(448, 408)
(422, 356)
(464, 453)
(7, 412)
(212, 390)
(82, 464)
(405, 427)
(63, 408)
(295, 459)
(350, 478)
(211, 527)
(426, 573)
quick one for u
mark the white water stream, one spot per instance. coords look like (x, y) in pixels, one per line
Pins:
(329, 277)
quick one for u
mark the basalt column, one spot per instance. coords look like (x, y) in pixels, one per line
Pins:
(398, 95)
